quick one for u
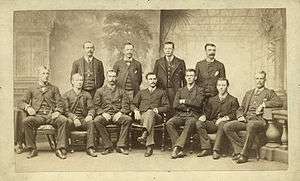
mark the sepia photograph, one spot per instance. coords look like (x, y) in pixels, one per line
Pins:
(117, 90)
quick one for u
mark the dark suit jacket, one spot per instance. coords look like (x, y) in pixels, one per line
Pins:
(207, 76)
(215, 108)
(71, 100)
(193, 105)
(34, 96)
(271, 101)
(134, 70)
(145, 100)
(177, 76)
(78, 67)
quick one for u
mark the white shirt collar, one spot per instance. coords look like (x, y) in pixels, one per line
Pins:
(151, 89)
(88, 59)
(170, 58)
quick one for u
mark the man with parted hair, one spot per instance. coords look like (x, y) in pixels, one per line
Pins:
(148, 106)
(209, 70)
(188, 104)
(112, 107)
(170, 72)
(249, 117)
(90, 68)
(129, 72)
(80, 111)
(219, 110)
(43, 104)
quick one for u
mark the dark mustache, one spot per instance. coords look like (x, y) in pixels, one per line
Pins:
(211, 54)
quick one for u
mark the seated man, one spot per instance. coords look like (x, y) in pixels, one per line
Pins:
(150, 102)
(112, 107)
(80, 111)
(249, 117)
(44, 105)
(188, 108)
(219, 110)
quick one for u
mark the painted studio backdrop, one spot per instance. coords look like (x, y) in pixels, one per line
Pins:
(247, 40)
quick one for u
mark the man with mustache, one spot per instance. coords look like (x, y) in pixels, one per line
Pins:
(249, 117)
(129, 72)
(170, 72)
(80, 111)
(208, 71)
(219, 110)
(188, 104)
(90, 68)
(44, 106)
(148, 105)
(112, 107)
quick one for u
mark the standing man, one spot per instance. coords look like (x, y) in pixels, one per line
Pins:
(208, 71)
(170, 72)
(44, 105)
(249, 117)
(219, 110)
(129, 72)
(90, 68)
(188, 108)
(148, 105)
(112, 107)
(80, 111)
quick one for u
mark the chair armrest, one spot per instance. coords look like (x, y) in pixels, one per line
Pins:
(269, 112)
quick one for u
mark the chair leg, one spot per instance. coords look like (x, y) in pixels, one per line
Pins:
(163, 139)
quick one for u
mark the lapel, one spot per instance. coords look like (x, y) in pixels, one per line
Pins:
(95, 68)
(82, 67)
(163, 63)
(249, 97)
(176, 64)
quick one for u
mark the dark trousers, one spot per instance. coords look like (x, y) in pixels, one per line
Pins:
(149, 119)
(209, 127)
(254, 125)
(124, 121)
(85, 126)
(187, 121)
(31, 123)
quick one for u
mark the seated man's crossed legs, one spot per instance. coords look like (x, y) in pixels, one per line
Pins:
(32, 123)
(124, 122)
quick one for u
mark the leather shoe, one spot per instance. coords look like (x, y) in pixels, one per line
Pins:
(204, 153)
(181, 154)
(242, 159)
(91, 152)
(235, 156)
(122, 150)
(142, 139)
(216, 155)
(59, 154)
(107, 151)
(149, 151)
(19, 149)
(64, 151)
(32, 153)
(175, 152)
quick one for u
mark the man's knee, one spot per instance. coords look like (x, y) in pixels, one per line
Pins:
(149, 114)
(190, 122)
(62, 120)
(200, 124)
(126, 119)
(99, 120)
(227, 127)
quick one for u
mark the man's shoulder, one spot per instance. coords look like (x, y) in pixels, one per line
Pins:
(97, 60)
(248, 92)
(200, 62)
(136, 62)
(67, 93)
(219, 63)
(78, 60)
(178, 59)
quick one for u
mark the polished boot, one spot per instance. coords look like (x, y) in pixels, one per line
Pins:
(235, 156)
(216, 155)
(60, 154)
(122, 150)
(204, 153)
(242, 159)
(107, 151)
(19, 149)
(175, 152)
(32, 153)
(91, 152)
(149, 151)
(181, 154)
(142, 139)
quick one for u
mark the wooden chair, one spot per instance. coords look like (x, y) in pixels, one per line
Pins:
(136, 127)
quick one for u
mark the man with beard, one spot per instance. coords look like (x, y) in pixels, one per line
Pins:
(44, 106)
(90, 68)
(188, 108)
(80, 111)
(249, 117)
(112, 107)
(170, 72)
(129, 72)
(219, 110)
(208, 71)
(148, 105)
